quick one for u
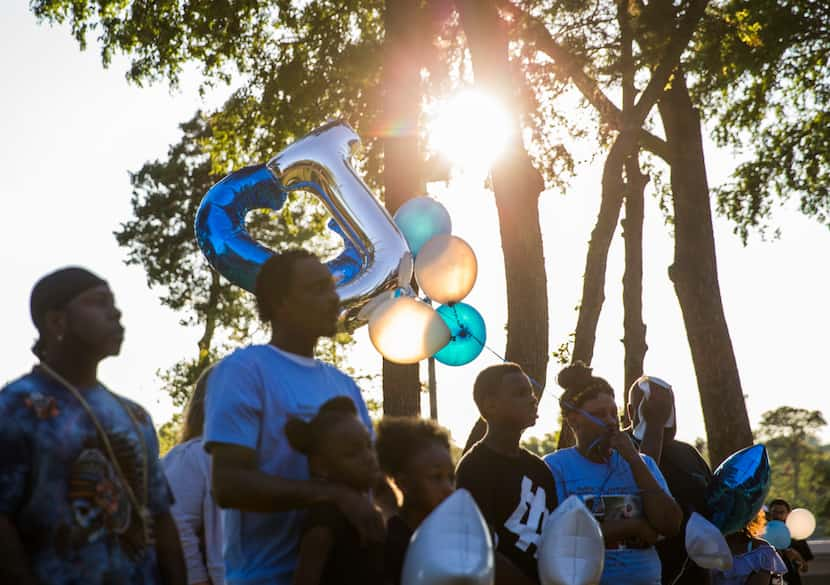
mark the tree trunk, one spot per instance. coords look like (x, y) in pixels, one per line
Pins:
(210, 320)
(634, 331)
(517, 185)
(593, 281)
(593, 284)
(634, 338)
(629, 120)
(401, 166)
(695, 277)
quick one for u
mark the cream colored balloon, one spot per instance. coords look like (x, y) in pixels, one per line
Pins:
(405, 330)
(801, 523)
(446, 269)
(452, 546)
(571, 549)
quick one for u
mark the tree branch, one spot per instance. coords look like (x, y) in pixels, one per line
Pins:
(568, 68)
(679, 40)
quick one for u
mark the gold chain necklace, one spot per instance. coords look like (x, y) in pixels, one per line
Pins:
(141, 508)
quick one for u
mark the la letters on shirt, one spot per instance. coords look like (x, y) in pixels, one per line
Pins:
(515, 495)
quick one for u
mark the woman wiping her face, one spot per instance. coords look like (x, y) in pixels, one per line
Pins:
(625, 490)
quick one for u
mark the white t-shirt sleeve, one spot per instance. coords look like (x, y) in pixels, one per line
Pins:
(189, 484)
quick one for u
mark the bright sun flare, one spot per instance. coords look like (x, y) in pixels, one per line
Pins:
(471, 129)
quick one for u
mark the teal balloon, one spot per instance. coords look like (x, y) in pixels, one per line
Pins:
(468, 334)
(777, 534)
(738, 489)
(421, 219)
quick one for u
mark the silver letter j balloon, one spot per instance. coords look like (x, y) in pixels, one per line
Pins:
(320, 164)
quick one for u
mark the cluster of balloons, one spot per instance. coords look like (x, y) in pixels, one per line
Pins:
(737, 492)
(374, 271)
(406, 329)
(735, 495)
(800, 525)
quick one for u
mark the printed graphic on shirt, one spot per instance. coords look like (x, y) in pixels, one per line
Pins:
(58, 481)
(100, 503)
(528, 519)
(614, 507)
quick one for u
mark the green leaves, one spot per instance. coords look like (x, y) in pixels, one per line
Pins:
(800, 464)
(762, 77)
(160, 237)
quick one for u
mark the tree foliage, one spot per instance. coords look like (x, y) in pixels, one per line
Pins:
(799, 463)
(160, 237)
(295, 64)
(762, 76)
(543, 445)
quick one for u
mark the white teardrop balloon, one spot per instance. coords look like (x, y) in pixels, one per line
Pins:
(405, 330)
(706, 545)
(572, 550)
(452, 546)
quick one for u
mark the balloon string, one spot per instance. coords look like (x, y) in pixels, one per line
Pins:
(682, 570)
(566, 404)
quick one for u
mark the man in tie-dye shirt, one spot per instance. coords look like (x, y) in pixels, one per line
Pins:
(80, 502)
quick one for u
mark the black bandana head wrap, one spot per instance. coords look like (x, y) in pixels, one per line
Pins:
(54, 291)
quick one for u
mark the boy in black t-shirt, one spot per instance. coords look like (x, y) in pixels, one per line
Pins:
(513, 488)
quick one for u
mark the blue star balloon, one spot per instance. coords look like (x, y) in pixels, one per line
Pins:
(738, 489)
(468, 334)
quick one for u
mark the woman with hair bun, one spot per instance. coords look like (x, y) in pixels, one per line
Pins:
(625, 490)
(340, 451)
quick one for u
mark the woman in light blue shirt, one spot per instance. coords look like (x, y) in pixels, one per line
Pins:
(624, 489)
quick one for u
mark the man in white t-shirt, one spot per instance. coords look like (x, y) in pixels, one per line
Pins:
(257, 476)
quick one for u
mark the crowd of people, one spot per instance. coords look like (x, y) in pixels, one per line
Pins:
(281, 477)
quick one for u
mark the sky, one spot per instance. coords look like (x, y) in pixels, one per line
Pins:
(72, 131)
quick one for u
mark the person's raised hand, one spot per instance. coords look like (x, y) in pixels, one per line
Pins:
(362, 514)
(622, 443)
(658, 407)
